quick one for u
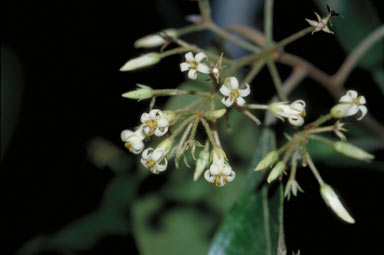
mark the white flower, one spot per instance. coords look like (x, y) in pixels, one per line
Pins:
(155, 122)
(220, 172)
(155, 160)
(320, 24)
(295, 112)
(332, 200)
(133, 140)
(142, 61)
(231, 90)
(349, 105)
(194, 65)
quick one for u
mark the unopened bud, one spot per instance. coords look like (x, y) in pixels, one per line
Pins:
(332, 200)
(268, 160)
(154, 40)
(165, 145)
(352, 151)
(170, 115)
(142, 61)
(201, 164)
(143, 92)
(214, 115)
(276, 171)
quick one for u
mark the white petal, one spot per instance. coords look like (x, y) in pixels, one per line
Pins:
(162, 167)
(227, 101)
(214, 169)
(147, 130)
(362, 100)
(240, 101)
(203, 68)
(200, 56)
(208, 176)
(192, 74)
(184, 66)
(296, 120)
(346, 99)
(227, 169)
(162, 122)
(125, 134)
(189, 57)
(352, 93)
(298, 105)
(144, 117)
(153, 114)
(352, 110)
(225, 90)
(234, 84)
(245, 92)
(143, 162)
(160, 131)
(157, 154)
(363, 110)
(147, 153)
(231, 177)
(138, 148)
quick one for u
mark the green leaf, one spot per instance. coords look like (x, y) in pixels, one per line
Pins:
(254, 224)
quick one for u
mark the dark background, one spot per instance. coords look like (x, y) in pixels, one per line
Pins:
(68, 55)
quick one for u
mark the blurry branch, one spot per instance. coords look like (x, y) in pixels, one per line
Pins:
(334, 84)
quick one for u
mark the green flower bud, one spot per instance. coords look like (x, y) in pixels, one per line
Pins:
(142, 61)
(143, 92)
(201, 164)
(214, 115)
(332, 200)
(154, 40)
(268, 160)
(170, 115)
(276, 171)
(352, 151)
(165, 145)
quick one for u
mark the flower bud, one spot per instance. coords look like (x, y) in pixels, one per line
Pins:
(170, 115)
(268, 160)
(352, 151)
(201, 164)
(276, 171)
(143, 92)
(214, 115)
(142, 61)
(165, 145)
(154, 40)
(332, 200)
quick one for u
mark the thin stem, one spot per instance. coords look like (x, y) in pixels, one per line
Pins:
(293, 37)
(182, 140)
(322, 139)
(257, 106)
(189, 106)
(173, 52)
(353, 58)
(276, 80)
(268, 21)
(189, 29)
(181, 127)
(177, 92)
(254, 71)
(205, 10)
(209, 132)
(319, 121)
(314, 169)
(221, 32)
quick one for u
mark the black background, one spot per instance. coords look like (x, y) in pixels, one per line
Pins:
(71, 52)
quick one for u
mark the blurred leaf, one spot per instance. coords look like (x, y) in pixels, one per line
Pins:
(360, 18)
(254, 224)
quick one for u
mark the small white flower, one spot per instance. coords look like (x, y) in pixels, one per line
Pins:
(231, 90)
(295, 112)
(194, 65)
(220, 172)
(349, 105)
(155, 122)
(133, 140)
(320, 24)
(155, 159)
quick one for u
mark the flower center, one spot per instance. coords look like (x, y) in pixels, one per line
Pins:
(235, 93)
(192, 64)
(357, 101)
(152, 125)
(150, 163)
(128, 145)
(221, 180)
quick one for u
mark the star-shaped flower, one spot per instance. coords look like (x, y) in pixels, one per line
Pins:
(133, 140)
(349, 105)
(194, 65)
(220, 172)
(320, 24)
(295, 112)
(154, 122)
(231, 90)
(155, 159)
